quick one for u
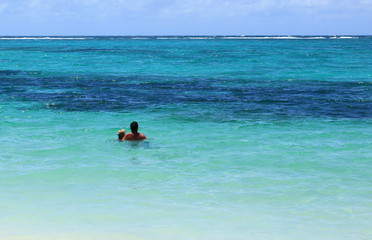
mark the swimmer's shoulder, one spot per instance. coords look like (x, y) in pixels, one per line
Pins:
(128, 136)
(142, 136)
(131, 136)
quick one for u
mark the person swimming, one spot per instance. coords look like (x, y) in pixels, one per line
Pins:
(134, 135)
(121, 134)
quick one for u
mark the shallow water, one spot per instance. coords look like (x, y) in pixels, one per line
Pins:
(248, 139)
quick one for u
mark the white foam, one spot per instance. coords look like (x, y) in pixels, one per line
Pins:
(315, 38)
(347, 37)
(166, 38)
(201, 38)
(272, 37)
(242, 37)
(43, 38)
(344, 37)
(234, 37)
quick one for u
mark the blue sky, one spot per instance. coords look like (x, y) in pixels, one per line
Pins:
(185, 17)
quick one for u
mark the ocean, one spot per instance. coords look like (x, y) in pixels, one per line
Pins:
(249, 138)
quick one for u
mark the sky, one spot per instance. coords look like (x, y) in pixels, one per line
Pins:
(185, 17)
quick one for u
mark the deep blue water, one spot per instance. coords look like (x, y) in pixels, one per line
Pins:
(250, 137)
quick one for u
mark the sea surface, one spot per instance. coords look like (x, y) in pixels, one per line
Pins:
(249, 138)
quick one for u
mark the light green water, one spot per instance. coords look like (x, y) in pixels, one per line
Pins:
(227, 157)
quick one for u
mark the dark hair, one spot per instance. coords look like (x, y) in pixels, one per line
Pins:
(134, 127)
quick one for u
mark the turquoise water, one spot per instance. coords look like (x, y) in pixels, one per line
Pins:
(248, 138)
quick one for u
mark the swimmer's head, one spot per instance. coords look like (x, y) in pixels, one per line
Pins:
(134, 127)
(121, 134)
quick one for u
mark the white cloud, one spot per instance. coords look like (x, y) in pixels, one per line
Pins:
(3, 7)
(185, 8)
(235, 8)
(308, 3)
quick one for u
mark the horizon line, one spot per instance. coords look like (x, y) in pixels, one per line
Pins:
(191, 35)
